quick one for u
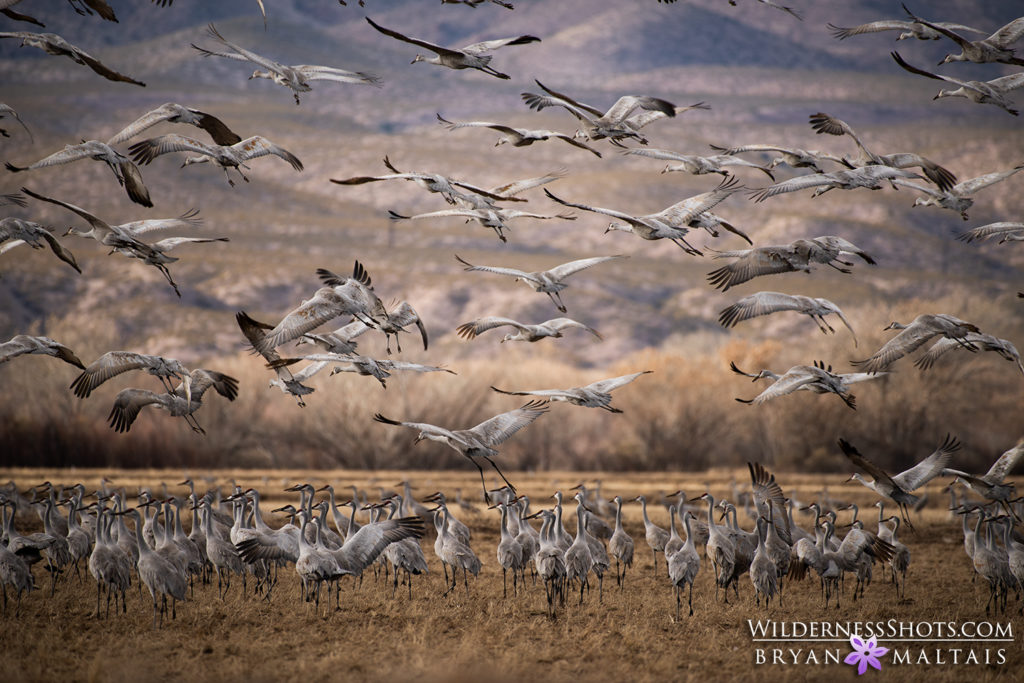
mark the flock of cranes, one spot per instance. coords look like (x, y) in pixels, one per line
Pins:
(167, 560)
(229, 536)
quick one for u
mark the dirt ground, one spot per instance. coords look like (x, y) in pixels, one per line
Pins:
(631, 635)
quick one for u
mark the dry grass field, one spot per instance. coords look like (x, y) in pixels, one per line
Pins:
(632, 635)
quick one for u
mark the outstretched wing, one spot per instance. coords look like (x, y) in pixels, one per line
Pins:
(471, 329)
(607, 385)
(929, 468)
(491, 45)
(862, 463)
(565, 323)
(110, 364)
(439, 49)
(1005, 464)
(145, 151)
(500, 427)
(749, 263)
(259, 146)
(129, 402)
(593, 209)
(566, 269)
(495, 269)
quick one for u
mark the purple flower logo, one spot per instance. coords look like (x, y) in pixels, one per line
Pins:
(864, 654)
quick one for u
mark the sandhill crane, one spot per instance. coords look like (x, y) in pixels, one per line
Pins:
(988, 564)
(1006, 231)
(52, 44)
(994, 48)
(900, 561)
(160, 576)
(594, 395)
(129, 402)
(509, 552)
(286, 380)
(528, 537)
(816, 378)
(981, 92)
(824, 123)
(226, 156)
(221, 552)
(493, 218)
(784, 258)
(114, 363)
(468, 57)
(899, 487)
(523, 332)
(404, 554)
(578, 560)
(696, 164)
(656, 536)
(455, 527)
(683, 565)
(295, 77)
(362, 365)
(792, 156)
(561, 537)
(550, 562)
(518, 137)
(172, 112)
(911, 337)
(79, 543)
(991, 485)
(834, 563)
(675, 541)
(14, 571)
(342, 296)
(550, 281)
(720, 549)
(7, 110)
(124, 238)
(315, 564)
(908, 29)
(620, 545)
(981, 342)
(766, 303)
(957, 198)
(763, 572)
(431, 182)
(871, 177)
(126, 172)
(15, 231)
(670, 223)
(457, 555)
(21, 344)
(613, 124)
(394, 321)
(109, 565)
(478, 441)
(768, 497)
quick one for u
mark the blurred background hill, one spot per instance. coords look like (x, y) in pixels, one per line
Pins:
(762, 73)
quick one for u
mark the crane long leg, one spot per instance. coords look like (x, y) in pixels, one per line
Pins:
(507, 482)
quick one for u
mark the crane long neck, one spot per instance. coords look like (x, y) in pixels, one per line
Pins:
(618, 515)
(144, 548)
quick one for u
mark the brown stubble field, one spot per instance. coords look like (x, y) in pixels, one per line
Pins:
(632, 635)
